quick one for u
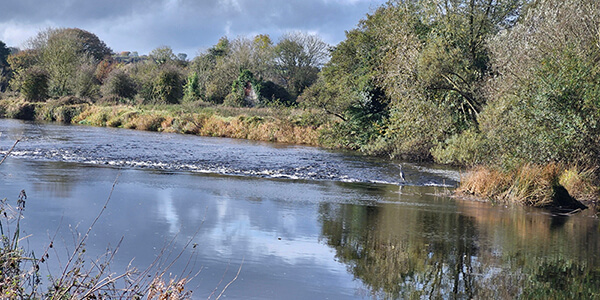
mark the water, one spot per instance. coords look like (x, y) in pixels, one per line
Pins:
(301, 222)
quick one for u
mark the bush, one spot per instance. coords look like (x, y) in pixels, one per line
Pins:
(467, 149)
(236, 100)
(272, 93)
(119, 84)
(22, 110)
(192, 88)
(167, 86)
(85, 83)
(34, 86)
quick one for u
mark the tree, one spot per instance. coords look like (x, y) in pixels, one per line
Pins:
(4, 67)
(167, 85)
(86, 42)
(544, 98)
(62, 57)
(89, 43)
(299, 58)
(162, 55)
(221, 49)
(244, 90)
(263, 55)
(191, 90)
(65, 51)
(19, 63)
(414, 72)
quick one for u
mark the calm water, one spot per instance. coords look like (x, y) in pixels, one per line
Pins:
(302, 222)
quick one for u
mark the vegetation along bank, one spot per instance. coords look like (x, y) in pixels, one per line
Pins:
(508, 89)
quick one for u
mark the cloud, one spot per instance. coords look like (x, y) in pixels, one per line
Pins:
(185, 25)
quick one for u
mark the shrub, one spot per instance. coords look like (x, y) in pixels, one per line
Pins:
(119, 84)
(272, 93)
(236, 100)
(21, 110)
(85, 83)
(192, 88)
(167, 86)
(467, 148)
(34, 86)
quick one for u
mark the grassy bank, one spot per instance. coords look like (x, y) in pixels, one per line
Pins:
(551, 185)
(282, 125)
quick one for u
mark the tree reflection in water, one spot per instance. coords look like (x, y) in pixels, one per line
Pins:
(463, 250)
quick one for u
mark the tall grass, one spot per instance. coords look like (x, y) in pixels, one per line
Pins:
(529, 184)
(283, 125)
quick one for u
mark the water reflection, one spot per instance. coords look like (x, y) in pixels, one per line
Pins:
(463, 251)
(402, 252)
(166, 209)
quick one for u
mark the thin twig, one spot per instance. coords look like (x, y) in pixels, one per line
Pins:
(9, 151)
(84, 238)
(220, 281)
(232, 280)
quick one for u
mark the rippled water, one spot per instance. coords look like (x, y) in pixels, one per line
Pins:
(301, 222)
(129, 148)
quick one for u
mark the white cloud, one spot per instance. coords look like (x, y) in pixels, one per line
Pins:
(184, 25)
(16, 34)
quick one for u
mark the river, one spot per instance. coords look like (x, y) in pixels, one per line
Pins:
(298, 222)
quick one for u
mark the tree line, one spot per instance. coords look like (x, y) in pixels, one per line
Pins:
(466, 82)
(239, 72)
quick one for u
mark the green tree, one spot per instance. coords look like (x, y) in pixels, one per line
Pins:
(263, 55)
(299, 58)
(34, 85)
(19, 63)
(349, 87)
(412, 73)
(162, 55)
(221, 49)
(192, 88)
(65, 51)
(544, 98)
(167, 85)
(245, 90)
(119, 84)
(62, 59)
(214, 74)
(4, 67)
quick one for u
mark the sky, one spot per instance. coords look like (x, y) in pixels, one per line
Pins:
(187, 26)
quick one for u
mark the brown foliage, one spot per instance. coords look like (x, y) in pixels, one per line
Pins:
(530, 184)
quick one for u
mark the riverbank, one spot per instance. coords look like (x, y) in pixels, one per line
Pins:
(550, 185)
(281, 125)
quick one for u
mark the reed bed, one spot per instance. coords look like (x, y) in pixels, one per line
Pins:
(533, 185)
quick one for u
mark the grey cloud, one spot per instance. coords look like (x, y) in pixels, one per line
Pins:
(187, 25)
